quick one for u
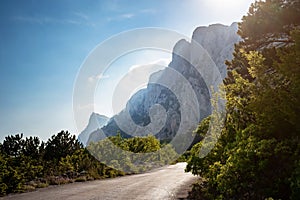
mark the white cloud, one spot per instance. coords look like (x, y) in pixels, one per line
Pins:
(131, 15)
(148, 11)
(85, 107)
(28, 19)
(127, 15)
(121, 17)
(94, 78)
(160, 62)
(136, 78)
(80, 20)
(81, 15)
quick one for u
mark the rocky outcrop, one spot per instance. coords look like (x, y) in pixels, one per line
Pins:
(96, 122)
(180, 90)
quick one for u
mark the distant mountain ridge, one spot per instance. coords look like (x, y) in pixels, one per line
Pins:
(218, 40)
(96, 121)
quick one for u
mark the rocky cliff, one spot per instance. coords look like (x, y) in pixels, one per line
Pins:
(168, 99)
(96, 122)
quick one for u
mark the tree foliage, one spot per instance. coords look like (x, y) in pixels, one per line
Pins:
(27, 163)
(137, 154)
(258, 153)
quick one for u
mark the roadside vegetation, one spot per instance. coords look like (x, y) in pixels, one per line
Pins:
(258, 153)
(28, 163)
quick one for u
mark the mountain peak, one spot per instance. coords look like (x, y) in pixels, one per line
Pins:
(96, 121)
(218, 40)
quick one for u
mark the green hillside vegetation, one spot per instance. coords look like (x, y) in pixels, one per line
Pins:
(28, 163)
(133, 155)
(258, 153)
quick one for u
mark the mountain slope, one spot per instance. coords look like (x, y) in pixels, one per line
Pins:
(96, 121)
(161, 99)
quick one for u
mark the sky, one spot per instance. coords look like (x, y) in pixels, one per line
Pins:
(44, 43)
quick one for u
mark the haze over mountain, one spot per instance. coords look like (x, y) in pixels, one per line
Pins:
(135, 120)
(96, 121)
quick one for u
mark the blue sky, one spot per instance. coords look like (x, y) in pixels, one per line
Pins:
(44, 43)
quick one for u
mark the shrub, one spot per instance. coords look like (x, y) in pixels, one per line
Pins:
(81, 179)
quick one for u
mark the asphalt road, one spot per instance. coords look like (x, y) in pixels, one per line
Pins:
(163, 183)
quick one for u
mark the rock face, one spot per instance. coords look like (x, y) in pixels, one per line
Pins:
(218, 40)
(179, 90)
(96, 122)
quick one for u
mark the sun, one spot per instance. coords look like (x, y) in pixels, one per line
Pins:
(225, 10)
(224, 4)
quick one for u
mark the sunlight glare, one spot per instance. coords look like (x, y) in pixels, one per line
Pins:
(226, 8)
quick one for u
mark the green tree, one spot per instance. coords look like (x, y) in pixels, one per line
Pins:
(61, 145)
(133, 155)
(257, 155)
(13, 145)
(31, 147)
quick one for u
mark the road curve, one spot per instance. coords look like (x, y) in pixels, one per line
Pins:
(159, 184)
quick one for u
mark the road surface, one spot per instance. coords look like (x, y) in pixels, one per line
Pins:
(159, 184)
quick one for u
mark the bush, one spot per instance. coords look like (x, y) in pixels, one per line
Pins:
(28, 188)
(42, 185)
(3, 189)
(81, 179)
(56, 180)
